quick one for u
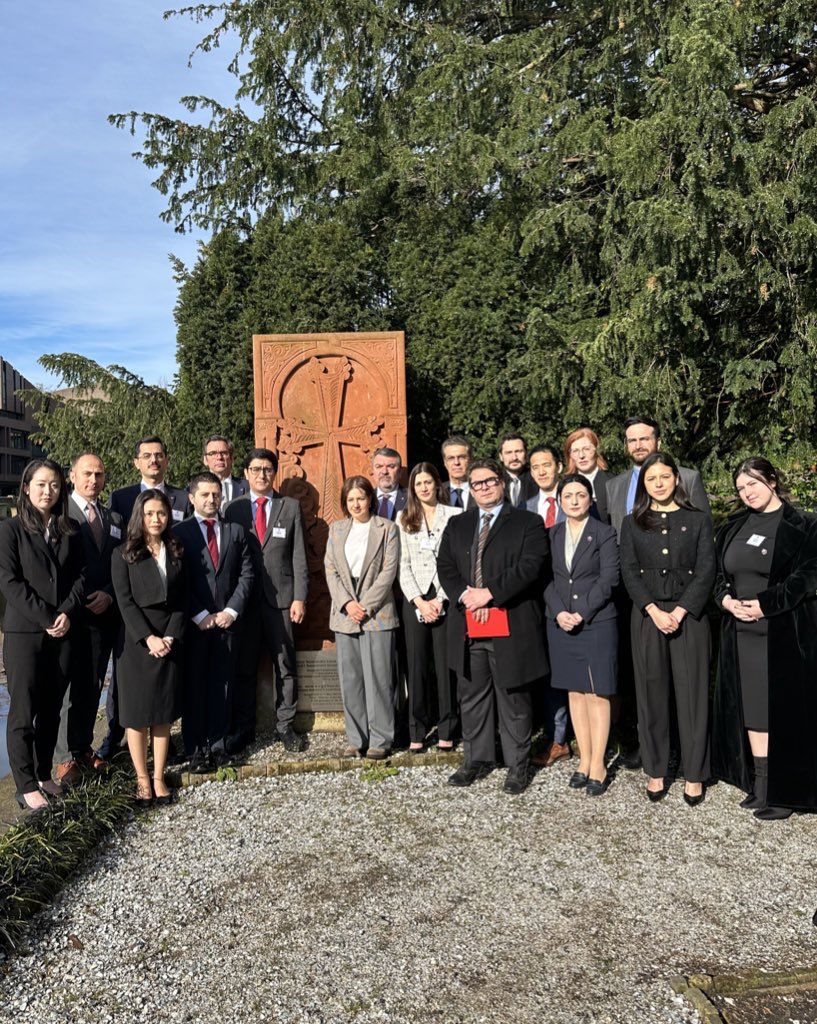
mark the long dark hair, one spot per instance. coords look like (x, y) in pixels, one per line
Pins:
(135, 547)
(412, 518)
(761, 469)
(643, 515)
(60, 524)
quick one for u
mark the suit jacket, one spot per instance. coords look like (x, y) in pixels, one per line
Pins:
(98, 560)
(123, 500)
(39, 581)
(418, 563)
(399, 502)
(515, 567)
(599, 508)
(469, 501)
(532, 505)
(528, 488)
(374, 588)
(588, 585)
(618, 486)
(280, 567)
(240, 487)
(145, 607)
(214, 589)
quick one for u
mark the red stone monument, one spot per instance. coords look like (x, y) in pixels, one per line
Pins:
(324, 403)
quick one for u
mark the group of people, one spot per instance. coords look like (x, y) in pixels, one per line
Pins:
(535, 583)
(184, 587)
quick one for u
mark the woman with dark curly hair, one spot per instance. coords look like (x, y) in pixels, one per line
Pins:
(150, 582)
(765, 707)
(42, 577)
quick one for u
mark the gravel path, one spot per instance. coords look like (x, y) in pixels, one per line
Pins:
(327, 899)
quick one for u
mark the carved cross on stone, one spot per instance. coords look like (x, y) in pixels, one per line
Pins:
(329, 378)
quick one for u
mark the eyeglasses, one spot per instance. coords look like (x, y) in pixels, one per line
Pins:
(151, 456)
(582, 451)
(261, 470)
(222, 453)
(482, 485)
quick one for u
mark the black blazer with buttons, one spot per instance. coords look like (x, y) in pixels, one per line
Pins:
(123, 500)
(673, 564)
(39, 581)
(588, 585)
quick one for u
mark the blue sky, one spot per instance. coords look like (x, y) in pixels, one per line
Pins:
(83, 255)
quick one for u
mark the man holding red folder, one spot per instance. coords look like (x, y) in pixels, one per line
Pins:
(493, 563)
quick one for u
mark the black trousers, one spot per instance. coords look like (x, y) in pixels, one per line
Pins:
(680, 661)
(271, 627)
(432, 688)
(37, 668)
(211, 661)
(91, 648)
(482, 702)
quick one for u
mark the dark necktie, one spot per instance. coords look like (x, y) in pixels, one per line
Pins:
(483, 536)
(384, 508)
(97, 532)
(456, 493)
(261, 518)
(212, 543)
(550, 515)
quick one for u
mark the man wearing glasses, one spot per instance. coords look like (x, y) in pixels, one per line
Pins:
(276, 535)
(494, 560)
(217, 456)
(151, 461)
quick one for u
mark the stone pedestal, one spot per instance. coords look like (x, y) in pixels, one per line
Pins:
(324, 403)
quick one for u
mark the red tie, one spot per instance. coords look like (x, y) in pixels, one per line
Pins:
(550, 515)
(261, 518)
(212, 543)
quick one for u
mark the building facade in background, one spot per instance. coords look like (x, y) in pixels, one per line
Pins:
(17, 424)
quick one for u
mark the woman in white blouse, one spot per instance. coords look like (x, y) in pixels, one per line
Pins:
(422, 523)
(362, 556)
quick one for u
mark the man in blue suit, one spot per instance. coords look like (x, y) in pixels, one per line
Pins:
(221, 581)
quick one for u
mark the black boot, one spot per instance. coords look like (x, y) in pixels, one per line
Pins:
(757, 798)
(765, 811)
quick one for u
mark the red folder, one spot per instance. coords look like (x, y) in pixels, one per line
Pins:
(497, 624)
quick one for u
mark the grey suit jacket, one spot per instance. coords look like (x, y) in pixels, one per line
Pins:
(374, 588)
(281, 572)
(618, 486)
(400, 499)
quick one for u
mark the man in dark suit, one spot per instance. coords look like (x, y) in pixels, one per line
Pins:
(151, 461)
(386, 467)
(519, 484)
(495, 557)
(275, 531)
(457, 455)
(221, 578)
(642, 437)
(98, 622)
(217, 456)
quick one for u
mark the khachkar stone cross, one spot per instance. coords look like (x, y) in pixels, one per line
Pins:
(325, 402)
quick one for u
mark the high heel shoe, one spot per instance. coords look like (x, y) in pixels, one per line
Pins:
(693, 801)
(654, 795)
(163, 801)
(141, 801)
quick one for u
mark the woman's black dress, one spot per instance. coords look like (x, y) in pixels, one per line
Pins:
(748, 560)
(150, 689)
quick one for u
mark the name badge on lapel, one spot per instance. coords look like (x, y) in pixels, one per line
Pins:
(178, 515)
(279, 532)
(116, 533)
(755, 540)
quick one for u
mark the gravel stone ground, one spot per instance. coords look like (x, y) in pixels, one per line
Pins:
(329, 899)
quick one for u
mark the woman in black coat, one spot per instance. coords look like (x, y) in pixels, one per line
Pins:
(581, 625)
(42, 577)
(150, 581)
(668, 567)
(765, 707)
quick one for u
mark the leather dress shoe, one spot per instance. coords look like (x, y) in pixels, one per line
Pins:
(92, 761)
(199, 763)
(516, 781)
(555, 752)
(291, 740)
(578, 780)
(751, 803)
(470, 772)
(377, 753)
(595, 787)
(351, 751)
(68, 773)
